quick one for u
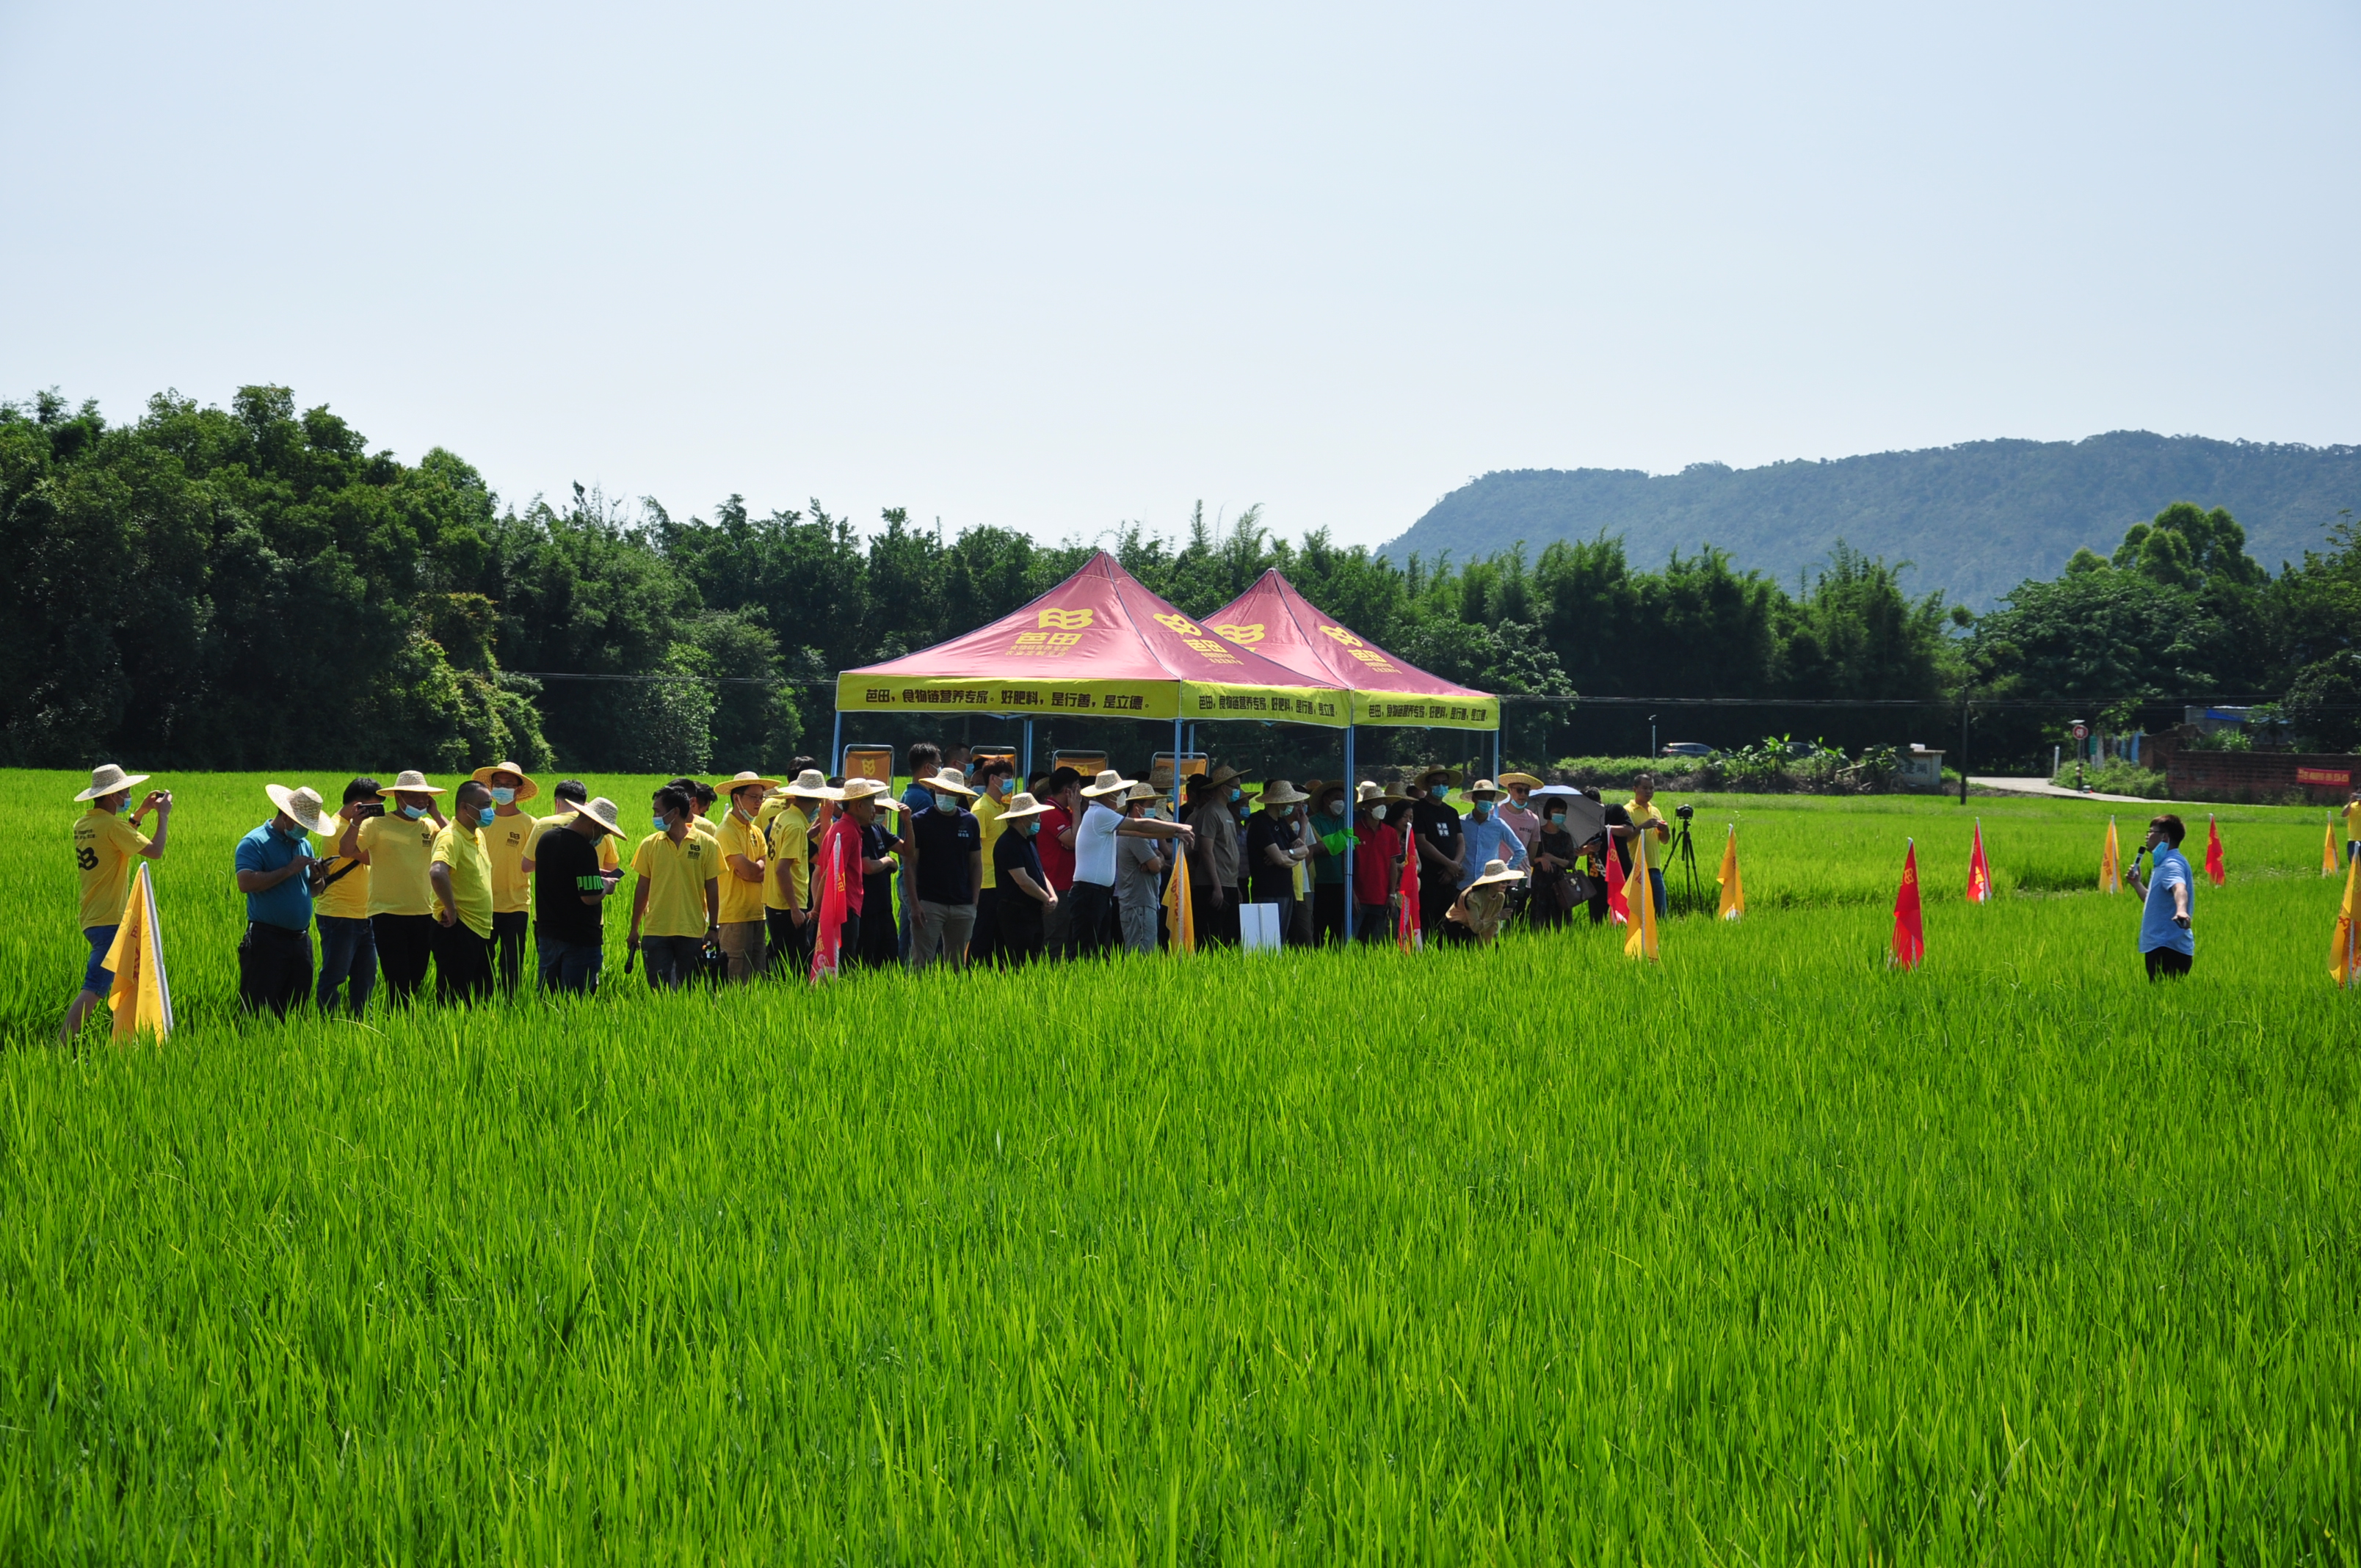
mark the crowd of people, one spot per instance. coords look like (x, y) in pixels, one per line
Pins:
(733, 880)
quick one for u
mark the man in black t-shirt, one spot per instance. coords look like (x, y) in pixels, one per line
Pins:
(1025, 890)
(569, 895)
(947, 851)
(1436, 839)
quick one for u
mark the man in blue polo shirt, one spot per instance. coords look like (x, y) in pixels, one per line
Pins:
(2166, 942)
(275, 871)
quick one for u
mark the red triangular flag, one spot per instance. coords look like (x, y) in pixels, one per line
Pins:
(2213, 850)
(1618, 908)
(832, 892)
(1910, 931)
(1979, 871)
(1407, 935)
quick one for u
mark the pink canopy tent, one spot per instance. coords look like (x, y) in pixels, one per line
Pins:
(1280, 624)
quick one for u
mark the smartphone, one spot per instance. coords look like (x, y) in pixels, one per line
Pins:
(376, 810)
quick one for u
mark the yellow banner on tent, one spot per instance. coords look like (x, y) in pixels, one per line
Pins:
(1195, 700)
(1435, 712)
(141, 998)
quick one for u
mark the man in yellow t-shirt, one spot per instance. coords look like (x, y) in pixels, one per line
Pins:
(1648, 821)
(106, 842)
(341, 908)
(397, 847)
(678, 901)
(507, 834)
(801, 810)
(745, 860)
(461, 871)
(995, 781)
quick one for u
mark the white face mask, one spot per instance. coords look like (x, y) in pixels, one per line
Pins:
(1377, 813)
(503, 795)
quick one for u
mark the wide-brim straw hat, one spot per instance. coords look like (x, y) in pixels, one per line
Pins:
(951, 780)
(1223, 775)
(740, 780)
(1485, 789)
(602, 812)
(812, 785)
(1496, 871)
(1372, 793)
(106, 778)
(410, 781)
(1320, 789)
(526, 788)
(1110, 782)
(1143, 792)
(877, 790)
(1022, 804)
(1279, 792)
(305, 805)
(1525, 779)
(1429, 777)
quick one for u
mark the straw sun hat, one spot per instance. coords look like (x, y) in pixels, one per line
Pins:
(310, 812)
(732, 786)
(1496, 871)
(1022, 804)
(1525, 779)
(1110, 782)
(1279, 792)
(951, 780)
(410, 781)
(871, 789)
(106, 778)
(525, 790)
(812, 785)
(602, 812)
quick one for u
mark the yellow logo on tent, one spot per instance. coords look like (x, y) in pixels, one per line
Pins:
(1249, 634)
(1179, 623)
(1065, 620)
(1340, 635)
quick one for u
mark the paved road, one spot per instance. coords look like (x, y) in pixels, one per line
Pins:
(2043, 786)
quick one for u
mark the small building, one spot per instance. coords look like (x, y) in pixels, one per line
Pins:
(1919, 769)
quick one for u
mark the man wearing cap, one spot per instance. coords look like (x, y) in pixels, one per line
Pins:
(340, 908)
(1377, 862)
(1025, 891)
(397, 847)
(676, 902)
(1485, 837)
(569, 895)
(1274, 849)
(793, 821)
(461, 873)
(508, 840)
(995, 781)
(1476, 914)
(1213, 857)
(104, 844)
(276, 870)
(745, 865)
(944, 845)
(1437, 838)
(1138, 900)
(1332, 835)
(1094, 855)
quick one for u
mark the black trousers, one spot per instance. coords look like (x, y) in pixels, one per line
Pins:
(671, 961)
(1327, 913)
(462, 964)
(987, 926)
(509, 936)
(1215, 927)
(1018, 940)
(1373, 922)
(405, 945)
(1094, 907)
(791, 944)
(1434, 899)
(2164, 963)
(274, 968)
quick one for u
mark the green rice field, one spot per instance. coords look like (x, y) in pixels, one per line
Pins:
(1765, 1254)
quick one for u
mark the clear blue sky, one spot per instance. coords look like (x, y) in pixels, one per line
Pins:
(1054, 267)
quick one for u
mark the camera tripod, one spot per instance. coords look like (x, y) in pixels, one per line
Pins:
(1685, 855)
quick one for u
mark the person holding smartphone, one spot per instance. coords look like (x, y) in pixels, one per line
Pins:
(2167, 944)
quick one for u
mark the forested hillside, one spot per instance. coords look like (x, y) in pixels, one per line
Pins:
(252, 586)
(1973, 520)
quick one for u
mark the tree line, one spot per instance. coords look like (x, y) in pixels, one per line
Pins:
(250, 586)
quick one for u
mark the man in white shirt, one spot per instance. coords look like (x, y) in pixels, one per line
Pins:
(1094, 870)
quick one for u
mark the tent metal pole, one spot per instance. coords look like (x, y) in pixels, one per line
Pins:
(836, 745)
(1029, 747)
(1496, 753)
(1176, 768)
(1352, 787)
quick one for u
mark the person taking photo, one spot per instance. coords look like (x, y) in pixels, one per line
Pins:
(105, 841)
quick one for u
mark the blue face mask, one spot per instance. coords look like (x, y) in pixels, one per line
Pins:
(1237, 795)
(412, 812)
(503, 795)
(122, 805)
(1480, 810)
(661, 825)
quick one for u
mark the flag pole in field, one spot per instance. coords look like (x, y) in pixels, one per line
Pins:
(2214, 863)
(1639, 893)
(1979, 869)
(1733, 891)
(2328, 848)
(141, 997)
(2110, 871)
(2344, 953)
(1909, 924)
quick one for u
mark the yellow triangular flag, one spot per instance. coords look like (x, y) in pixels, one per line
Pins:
(2328, 851)
(2111, 875)
(1179, 919)
(1641, 897)
(2344, 958)
(1733, 891)
(141, 998)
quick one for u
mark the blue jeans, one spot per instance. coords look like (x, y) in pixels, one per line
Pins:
(347, 952)
(569, 966)
(671, 960)
(1656, 881)
(96, 978)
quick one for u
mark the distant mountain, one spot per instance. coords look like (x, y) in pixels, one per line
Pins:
(1976, 519)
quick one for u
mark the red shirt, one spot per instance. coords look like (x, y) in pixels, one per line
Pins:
(1057, 859)
(842, 837)
(1374, 876)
